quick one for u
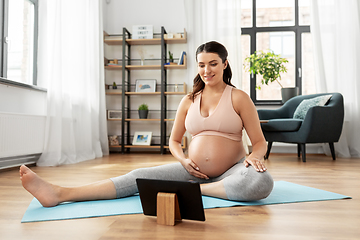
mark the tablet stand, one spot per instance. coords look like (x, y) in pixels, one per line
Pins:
(168, 210)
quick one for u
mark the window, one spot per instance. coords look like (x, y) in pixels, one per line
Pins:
(281, 26)
(19, 40)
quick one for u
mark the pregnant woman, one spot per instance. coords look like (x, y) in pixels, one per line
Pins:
(214, 113)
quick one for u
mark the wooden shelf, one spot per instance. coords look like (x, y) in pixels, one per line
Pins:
(147, 67)
(143, 67)
(157, 41)
(183, 66)
(157, 146)
(117, 40)
(142, 93)
(112, 40)
(148, 119)
(175, 93)
(137, 93)
(109, 92)
(113, 67)
(142, 120)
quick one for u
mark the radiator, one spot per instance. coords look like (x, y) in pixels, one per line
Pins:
(21, 139)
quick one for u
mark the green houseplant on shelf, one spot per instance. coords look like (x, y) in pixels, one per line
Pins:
(143, 111)
(269, 65)
(171, 57)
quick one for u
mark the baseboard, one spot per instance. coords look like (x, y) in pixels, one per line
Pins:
(10, 162)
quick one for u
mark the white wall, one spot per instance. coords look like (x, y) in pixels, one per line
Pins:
(125, 13)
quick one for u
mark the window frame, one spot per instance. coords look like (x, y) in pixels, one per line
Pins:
(4, 10)
(297, 29)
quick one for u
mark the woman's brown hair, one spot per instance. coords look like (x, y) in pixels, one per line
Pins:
(219, 49)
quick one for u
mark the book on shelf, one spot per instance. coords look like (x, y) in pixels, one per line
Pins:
(181, 59)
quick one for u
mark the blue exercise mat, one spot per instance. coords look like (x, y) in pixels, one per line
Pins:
(283, 192)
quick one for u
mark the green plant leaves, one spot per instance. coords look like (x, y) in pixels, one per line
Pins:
(269, 65)
(143, 107)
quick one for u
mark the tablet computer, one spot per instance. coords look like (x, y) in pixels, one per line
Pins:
(188, 194)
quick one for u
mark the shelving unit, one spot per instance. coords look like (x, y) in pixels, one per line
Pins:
(126, 89)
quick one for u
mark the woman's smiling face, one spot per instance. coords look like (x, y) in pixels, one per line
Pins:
(210, 68)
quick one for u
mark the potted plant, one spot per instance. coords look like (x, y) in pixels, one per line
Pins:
(269, 65)
(143, 111)
(171, 57)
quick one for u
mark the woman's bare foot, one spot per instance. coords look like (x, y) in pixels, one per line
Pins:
(46, 193)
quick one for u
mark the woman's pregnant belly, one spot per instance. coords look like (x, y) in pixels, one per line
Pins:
(214, 154)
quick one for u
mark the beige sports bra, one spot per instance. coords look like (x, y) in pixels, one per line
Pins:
(224, 121)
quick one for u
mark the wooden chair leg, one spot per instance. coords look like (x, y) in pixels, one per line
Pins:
(303, 151)
(332, 149)
(268, 150)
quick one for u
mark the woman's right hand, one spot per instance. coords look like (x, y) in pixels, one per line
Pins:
(192, 168)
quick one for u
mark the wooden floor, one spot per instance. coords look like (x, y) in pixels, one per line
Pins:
(338, 219)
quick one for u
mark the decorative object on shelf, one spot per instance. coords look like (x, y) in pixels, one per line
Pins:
(173, 35)
(142, 138)
(143, 32)
(145, 85)
(142, 53)
(181, 59)
(176, 88)
(114, 114)
(114, 85)
(143, 111)
(113, 140)
(269, 65)
(169, 35)
(171, 57)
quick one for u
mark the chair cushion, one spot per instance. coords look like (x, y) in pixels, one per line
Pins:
(282, 125)
(306, 104)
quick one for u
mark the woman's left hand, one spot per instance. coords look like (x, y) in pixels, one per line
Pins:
(257, 164)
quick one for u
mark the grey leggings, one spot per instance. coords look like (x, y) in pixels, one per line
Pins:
(241, 183)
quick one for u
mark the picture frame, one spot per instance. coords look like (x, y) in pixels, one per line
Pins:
(142, 138)
(145, 85)
(114, 114)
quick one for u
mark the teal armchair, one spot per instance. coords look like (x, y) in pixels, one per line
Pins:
(321, 124)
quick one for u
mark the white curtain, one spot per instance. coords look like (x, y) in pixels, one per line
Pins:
(215, 20)
(70, 65)
(335, 29)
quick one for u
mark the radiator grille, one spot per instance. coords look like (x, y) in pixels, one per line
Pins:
(21, 134)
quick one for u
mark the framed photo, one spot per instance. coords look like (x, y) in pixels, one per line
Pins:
(114, 114)
(145, 85)
(142, 138)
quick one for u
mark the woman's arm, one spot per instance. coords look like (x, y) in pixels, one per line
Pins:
(178, 130)
(176, 136)
(244, 106)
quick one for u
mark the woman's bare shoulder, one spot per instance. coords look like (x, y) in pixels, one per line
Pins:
(185, 103)
(238, 94)
(241, 100)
